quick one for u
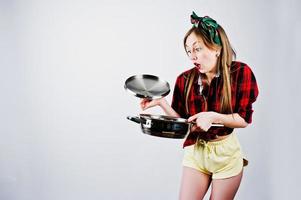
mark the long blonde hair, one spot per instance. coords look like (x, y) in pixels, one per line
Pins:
(227, 55)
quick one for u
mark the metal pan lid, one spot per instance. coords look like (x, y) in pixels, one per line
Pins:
(147, 86)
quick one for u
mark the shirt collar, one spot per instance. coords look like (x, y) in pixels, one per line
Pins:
(198, 74)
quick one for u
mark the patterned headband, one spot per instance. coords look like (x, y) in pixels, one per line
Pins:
(207, 24)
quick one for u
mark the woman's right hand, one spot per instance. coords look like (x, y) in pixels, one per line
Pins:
(146, 103)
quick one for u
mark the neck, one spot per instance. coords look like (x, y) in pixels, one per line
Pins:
(210, 75)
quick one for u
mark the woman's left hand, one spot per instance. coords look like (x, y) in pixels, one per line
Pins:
(203, 120)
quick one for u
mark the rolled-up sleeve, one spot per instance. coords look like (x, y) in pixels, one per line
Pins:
(247, 93)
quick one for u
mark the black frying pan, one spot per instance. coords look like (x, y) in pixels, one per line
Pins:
(164, 126)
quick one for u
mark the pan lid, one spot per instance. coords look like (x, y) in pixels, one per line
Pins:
(147, 86)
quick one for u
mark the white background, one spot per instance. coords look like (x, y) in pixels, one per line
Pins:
(64, 133)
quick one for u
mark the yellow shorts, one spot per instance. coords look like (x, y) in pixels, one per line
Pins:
(219, 159)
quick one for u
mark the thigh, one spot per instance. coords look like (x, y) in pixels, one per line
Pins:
(194, 184)
(225, 189)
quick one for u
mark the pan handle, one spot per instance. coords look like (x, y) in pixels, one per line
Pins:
(147, 123)
(213, 125)
(135, 119)
(217, 125)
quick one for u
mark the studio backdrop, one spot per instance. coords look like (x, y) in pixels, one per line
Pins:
(63, 108)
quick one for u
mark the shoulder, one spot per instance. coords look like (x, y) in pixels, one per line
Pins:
(184, 75)
(240, 69)
(237, 65)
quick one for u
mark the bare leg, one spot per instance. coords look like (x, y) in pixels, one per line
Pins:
(225, 189)
(194, 184)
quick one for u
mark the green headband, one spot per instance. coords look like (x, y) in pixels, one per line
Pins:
(207, 24)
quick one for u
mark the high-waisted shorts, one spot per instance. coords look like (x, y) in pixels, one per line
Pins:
(219, 159)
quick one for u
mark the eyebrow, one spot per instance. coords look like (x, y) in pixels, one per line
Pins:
(192, 43)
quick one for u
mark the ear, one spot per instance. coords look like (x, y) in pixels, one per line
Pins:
(217, 53)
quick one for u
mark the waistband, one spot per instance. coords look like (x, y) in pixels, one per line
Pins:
(219, 142)
(208, 137)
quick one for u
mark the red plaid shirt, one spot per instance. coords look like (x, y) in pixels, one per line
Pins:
(244, 93)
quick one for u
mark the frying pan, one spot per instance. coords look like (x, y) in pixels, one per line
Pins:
(164, 126)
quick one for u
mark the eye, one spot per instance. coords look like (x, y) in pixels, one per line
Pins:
(198, 49)
(188, 52)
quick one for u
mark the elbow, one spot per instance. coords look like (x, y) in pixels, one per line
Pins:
(241, 122)
(244, 124)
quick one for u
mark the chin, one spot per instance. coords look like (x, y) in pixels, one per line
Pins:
(203, 71)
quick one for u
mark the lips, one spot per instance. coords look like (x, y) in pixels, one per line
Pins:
(198, 66)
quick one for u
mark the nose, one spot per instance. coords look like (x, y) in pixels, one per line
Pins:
(193, 56)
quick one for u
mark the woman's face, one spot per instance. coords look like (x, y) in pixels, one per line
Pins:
(202, 57)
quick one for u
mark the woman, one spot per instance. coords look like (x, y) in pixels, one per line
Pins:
(216, 90)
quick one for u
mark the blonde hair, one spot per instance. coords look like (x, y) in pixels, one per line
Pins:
(227, 55)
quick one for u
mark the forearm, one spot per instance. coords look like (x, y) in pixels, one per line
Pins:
(230, 120)
(168, 109)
